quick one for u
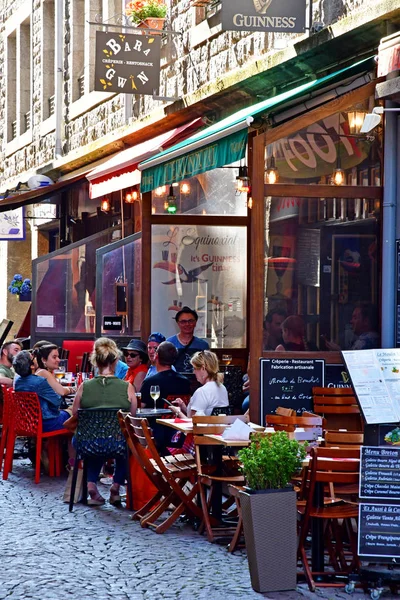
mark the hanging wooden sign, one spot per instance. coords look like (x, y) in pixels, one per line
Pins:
(127, 63)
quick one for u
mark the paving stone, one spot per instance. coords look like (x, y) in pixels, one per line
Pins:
(49, 553)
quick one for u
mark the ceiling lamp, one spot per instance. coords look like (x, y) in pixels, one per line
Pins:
(271, 172)
(338, 176)
(356, 119)
(243, 181)
(132, 196)
(172, 207)
(185, 188)
(160, 191)
(105, 205)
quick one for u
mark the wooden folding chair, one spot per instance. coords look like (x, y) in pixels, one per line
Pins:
(177, 471)
(289, 424)
(211, 477)
(329, 467)
(339, 406)
(343, 439)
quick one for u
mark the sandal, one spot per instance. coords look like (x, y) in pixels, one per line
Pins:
(96, 499)
(115, 497)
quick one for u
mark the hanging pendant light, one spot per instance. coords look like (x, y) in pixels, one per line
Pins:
(105, 205)
(172, 207)
(338, 176)
(271, 173)
(356, 119)
(243, 181)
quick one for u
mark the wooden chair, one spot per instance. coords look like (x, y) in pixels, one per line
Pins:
(211, 477)
(343, 439)
(177, 471)
(339, 406)
(329, 467)
(313, 424)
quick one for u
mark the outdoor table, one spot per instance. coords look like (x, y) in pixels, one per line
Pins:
(150, 413)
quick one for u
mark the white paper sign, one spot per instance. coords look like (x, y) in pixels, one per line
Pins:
(45, 321)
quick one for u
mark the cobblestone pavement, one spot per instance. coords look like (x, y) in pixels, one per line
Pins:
(100, 553)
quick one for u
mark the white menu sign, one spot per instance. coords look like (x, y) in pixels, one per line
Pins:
(375, 375)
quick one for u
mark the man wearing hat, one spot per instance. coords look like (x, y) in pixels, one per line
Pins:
(136, 358)
(155, 339)
(185, 341)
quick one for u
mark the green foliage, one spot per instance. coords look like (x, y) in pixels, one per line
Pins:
(271, 460)
(139, 10)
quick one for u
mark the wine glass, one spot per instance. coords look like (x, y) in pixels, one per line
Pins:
(59, 373)
(227, 359)
(155, 394)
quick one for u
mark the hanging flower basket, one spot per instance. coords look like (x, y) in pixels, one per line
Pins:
(152, 23)
(147, 14)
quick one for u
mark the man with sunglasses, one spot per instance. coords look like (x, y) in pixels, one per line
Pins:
(185, 341)
(136, 357)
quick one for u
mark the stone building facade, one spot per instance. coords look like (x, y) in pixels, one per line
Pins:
(53, 122)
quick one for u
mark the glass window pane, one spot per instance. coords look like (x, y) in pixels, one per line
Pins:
(210, 193)
(121, 285)
(204, 268)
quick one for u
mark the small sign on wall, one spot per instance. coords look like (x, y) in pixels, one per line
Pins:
(112, 323)
(287, 16)
(12, 225)
(127, 63)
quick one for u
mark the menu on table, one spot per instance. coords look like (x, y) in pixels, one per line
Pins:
(379, 530)
(375, 375)
(380, 473)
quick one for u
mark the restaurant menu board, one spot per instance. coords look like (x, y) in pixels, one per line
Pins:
(288, 382)
(380, 473)
(379, 530)
(375, 375)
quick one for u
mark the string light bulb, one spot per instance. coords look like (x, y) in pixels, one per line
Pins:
(185, 188)
(271, 173)
(243, 181)
(105, 205)
(160, 191)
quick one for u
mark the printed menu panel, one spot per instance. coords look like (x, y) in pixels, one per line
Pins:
(375, 375)
(379, 530)
(380, 473)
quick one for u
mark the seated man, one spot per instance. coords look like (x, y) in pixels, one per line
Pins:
(7, 353)
(186, 342)
(170, 382)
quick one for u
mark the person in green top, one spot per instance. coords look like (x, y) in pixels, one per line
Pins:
(105, 391)
(7, 353)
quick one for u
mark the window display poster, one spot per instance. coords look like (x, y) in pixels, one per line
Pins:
(375, 375)
(204, 268)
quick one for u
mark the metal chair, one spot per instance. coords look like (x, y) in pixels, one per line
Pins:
(99, 435)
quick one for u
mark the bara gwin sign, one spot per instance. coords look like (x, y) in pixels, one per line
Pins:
(288, 16)
(127, 63)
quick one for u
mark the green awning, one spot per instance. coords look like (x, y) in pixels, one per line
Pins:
(221, 143)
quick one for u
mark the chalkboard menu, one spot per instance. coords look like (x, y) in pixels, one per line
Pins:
(379, 530)
(380, 473)
(288, 382)
(308, 256)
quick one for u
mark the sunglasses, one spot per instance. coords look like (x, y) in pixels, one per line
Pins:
(130, 354)
(186, 321)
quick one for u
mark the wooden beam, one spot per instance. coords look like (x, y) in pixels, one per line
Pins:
(146, 266)
(294, 190)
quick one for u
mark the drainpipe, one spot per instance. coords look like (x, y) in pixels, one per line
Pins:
(389, 288)
(59, 76)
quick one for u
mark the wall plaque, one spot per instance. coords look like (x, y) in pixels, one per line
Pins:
(288, 16)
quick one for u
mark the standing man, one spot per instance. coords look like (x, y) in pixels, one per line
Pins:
(185, 341)
(7, 353)
(272, 334)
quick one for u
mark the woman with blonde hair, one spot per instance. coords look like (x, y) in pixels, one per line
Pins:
(105, 391)
(212, 394)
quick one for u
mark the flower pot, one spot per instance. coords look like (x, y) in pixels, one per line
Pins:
(152, 23)
(27, 297)
(269, 523)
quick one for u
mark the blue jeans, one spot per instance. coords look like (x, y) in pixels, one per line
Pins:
(246, 404)
(56, 422)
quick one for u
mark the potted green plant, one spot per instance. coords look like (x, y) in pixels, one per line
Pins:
(269, 510)
(147, 13)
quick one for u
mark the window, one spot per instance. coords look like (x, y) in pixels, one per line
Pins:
(48, 58)
(19, 79)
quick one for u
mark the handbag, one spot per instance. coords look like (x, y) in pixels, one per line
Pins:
(78, 488)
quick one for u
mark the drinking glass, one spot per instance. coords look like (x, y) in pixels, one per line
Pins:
(59, 373)
(226, 359)
(155, 394)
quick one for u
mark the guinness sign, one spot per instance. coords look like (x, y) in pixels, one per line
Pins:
(286, 16)
(127, 63)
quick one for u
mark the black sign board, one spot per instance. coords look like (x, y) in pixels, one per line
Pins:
(127, 63)
(288, 382)
(337, 376)
(112, 323)
(379, 530)
(380, 473)
(288, 16)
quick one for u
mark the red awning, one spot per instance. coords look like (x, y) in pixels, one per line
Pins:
(121, 171)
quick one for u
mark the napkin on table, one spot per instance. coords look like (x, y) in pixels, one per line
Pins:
(237, 431)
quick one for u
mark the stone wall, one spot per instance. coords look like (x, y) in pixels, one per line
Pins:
(188, 63)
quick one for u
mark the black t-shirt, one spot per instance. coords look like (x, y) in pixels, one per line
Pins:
(170, 383)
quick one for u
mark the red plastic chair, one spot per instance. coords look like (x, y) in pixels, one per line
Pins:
(3, 420)
(24, 418)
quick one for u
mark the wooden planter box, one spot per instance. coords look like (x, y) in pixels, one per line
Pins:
(269, 523)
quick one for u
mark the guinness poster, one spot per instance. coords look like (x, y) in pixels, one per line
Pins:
(127, 63)
(287, 16)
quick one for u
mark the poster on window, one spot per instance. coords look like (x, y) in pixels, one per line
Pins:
(128, 63)
(204, 268)
(12, 225)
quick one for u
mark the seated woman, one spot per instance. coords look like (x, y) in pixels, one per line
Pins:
(48, 361)
(105, 391)
(293, 334)
(25, 365)
(137, 360)
(212, 394)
